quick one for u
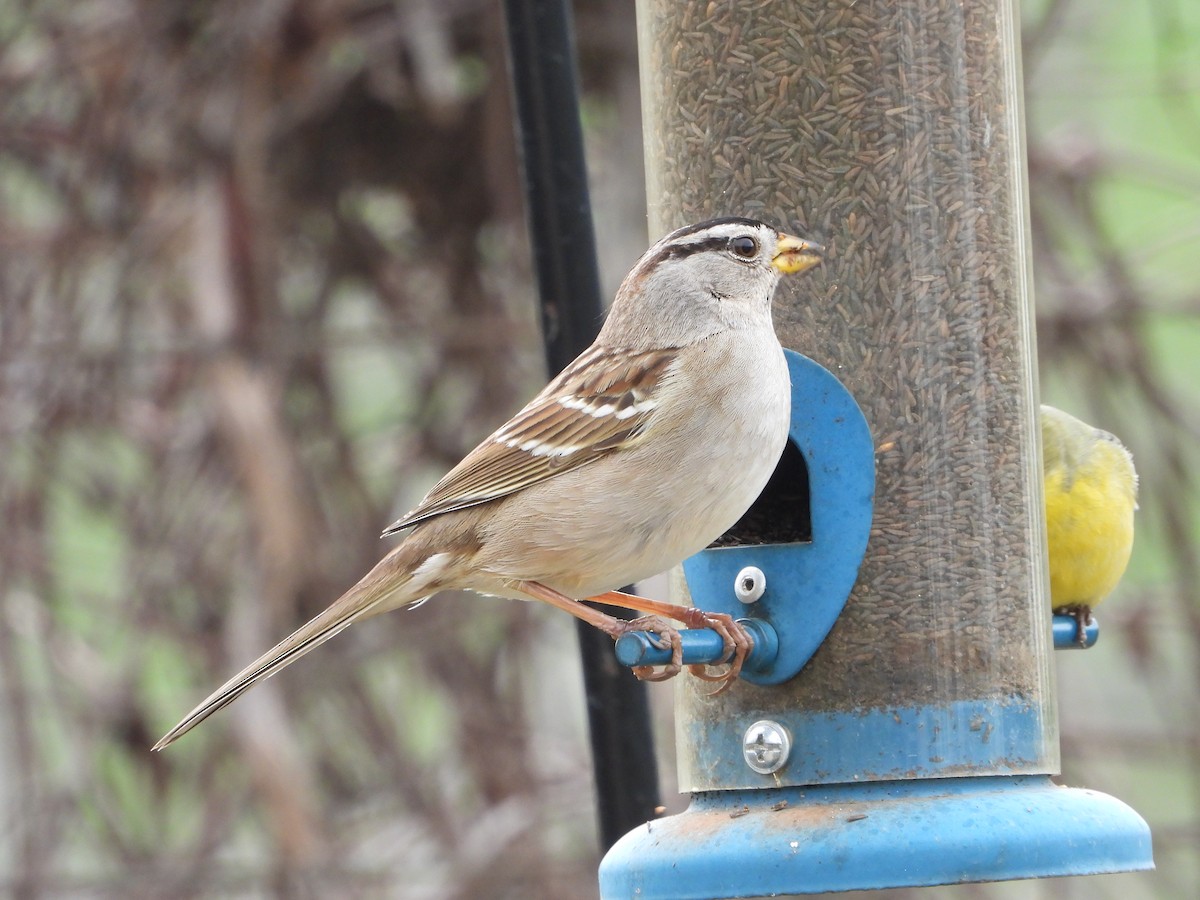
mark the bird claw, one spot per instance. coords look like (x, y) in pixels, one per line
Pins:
(664, 636)
(1082, 614)
(738, 644)
(1083, 617)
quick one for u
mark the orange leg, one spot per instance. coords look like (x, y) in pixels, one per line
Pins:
(668, 636)
(738, 642)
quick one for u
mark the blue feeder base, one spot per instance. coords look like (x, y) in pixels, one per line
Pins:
(802, 840)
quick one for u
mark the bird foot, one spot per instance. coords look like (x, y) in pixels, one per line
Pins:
(665, 636)
(738, 644)
(1082, 614)
(736, 640)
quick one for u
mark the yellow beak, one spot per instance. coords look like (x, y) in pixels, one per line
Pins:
(793, 254)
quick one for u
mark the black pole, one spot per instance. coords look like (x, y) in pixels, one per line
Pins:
(541, 53)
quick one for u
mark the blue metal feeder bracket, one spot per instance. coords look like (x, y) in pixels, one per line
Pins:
(789, 802)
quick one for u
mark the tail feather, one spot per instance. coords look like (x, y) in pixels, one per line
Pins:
(374, 594)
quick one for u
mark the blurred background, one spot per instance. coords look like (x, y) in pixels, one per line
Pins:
(263, 279)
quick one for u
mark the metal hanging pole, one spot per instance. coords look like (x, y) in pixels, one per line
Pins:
(541, 53)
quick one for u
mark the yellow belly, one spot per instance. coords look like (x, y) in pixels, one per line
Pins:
(1089, 530)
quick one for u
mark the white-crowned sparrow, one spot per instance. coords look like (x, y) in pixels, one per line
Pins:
(640, 453)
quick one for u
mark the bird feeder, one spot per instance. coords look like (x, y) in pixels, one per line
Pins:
(915, 741)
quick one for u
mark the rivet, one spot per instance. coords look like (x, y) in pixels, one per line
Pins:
(750, 584)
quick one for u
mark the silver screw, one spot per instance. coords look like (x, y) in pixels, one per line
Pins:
(750, 584)
(766, 746)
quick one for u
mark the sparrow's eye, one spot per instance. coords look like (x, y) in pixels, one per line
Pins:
(744, 246)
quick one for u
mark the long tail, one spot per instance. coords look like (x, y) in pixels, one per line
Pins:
(375, 593)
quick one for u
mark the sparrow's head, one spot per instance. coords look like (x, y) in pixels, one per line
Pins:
(705, 278)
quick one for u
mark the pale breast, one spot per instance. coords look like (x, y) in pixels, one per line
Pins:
(644, 509)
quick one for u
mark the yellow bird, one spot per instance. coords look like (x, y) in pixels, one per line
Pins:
(1091, 493)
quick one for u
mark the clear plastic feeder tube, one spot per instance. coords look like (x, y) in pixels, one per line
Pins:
(891, 131)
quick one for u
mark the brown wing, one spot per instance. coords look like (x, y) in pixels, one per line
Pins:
(598, 403)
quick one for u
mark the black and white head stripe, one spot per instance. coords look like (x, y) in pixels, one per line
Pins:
(714, 234)
(712, 225)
